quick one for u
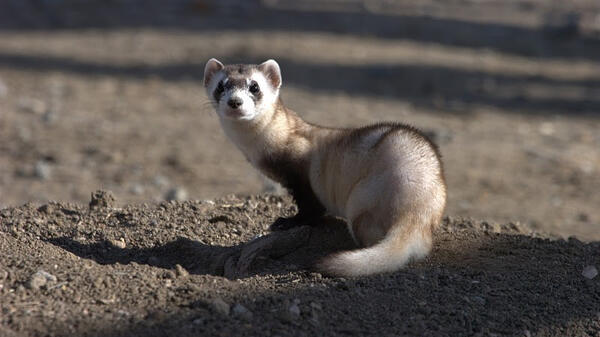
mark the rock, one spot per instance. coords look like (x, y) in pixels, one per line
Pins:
(46, 208)
(180, 271)
(42, 170)
(118, 243)
(199, 321)
(48, 276)
(39, 279)
(220, 306)
(240, 311)
(294, 310)
(98, 282)
(3, 274)
(31, 105)
(176, 194)
(589, 272)
(102, 199)
(106, 301)
(169, 274)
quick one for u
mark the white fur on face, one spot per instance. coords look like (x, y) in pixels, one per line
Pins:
(269, 94)
(249, 110)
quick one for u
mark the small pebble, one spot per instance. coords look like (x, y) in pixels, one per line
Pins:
(102, 199)
(39, 279)
(294, 310)
(98, 282)
(118, 243)
(31, 105)
(42, 170)
(176, 194)
(589, 272)
(169, 274)
(220, 306)
(46, 208)
(199, 321)
(180, 271)
(240, 311)
(291, 312)
(106, 301)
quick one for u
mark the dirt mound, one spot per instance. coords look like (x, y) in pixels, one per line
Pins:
(212, 268)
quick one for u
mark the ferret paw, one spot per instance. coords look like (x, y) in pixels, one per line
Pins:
(283, 224)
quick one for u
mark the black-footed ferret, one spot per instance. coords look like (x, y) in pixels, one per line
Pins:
(385, 179)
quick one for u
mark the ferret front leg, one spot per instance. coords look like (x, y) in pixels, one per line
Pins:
(309, 210)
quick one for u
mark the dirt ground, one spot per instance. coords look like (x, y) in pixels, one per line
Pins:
(119, 105)
(157, 270)
(108, 95)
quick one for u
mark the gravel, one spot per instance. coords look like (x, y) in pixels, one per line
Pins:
(479, 280)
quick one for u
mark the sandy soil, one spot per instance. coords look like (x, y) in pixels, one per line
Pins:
(108, 95)
(158, 270)
(120, 105)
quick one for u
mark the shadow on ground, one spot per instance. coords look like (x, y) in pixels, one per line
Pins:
(474, 283)
(560, 41)
(434, 87)
(259, 256)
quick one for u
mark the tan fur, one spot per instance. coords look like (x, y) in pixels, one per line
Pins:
(386, 180)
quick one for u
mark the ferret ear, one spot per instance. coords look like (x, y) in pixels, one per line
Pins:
(272, 72)
(212, 66)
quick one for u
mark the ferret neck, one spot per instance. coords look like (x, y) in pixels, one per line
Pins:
(274, 131)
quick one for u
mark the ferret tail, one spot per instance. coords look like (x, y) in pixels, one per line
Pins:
(389, 255)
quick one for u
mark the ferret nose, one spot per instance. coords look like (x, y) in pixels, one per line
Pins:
(234, 103)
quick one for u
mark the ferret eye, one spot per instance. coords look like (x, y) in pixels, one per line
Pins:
(254, 88)
(220, 87)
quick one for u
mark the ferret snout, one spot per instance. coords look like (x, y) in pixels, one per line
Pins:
(235, 102)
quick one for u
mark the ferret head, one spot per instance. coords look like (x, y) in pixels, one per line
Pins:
(241, 91)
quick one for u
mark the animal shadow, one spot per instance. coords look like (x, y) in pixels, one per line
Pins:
(275, 253)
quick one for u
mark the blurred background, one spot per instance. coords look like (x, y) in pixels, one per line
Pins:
(108, 94)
